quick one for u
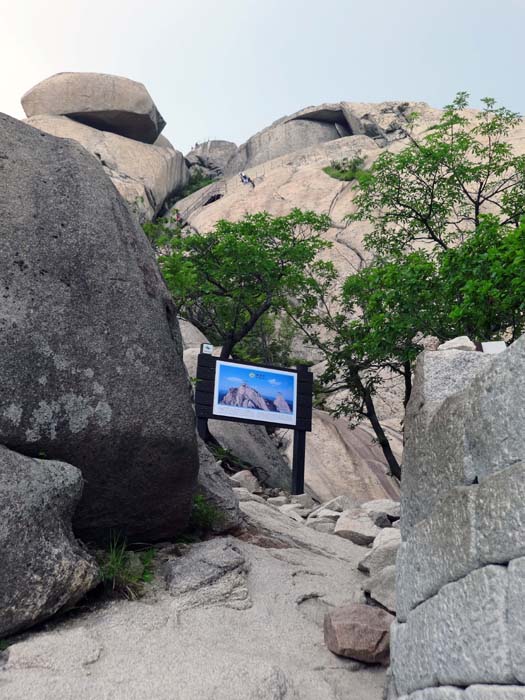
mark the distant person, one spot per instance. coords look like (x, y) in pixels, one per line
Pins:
(246, 180)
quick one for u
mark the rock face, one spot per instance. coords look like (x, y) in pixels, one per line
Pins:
(461, 565)
(280, 139)
(91, 369)
(145, 175)
(211, 158)
(360, 632)
(106, 102)
(245, 397)
(42, 567)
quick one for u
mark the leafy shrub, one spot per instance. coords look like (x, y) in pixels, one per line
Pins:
(124, 572)
(346, 169)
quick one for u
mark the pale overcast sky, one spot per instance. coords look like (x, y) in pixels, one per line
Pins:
(227, 69)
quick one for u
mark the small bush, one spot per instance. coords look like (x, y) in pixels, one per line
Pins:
(124, 572)
(346, 169)
(204, 515)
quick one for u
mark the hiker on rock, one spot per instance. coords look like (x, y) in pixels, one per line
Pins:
(246, 180)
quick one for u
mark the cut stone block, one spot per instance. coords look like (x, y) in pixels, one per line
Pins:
(439, 550)
(493, 692)
(458, 637)
(516, 617)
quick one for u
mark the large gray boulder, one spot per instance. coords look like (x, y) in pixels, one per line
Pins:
(144, 175)
(42, 567)
(106, 102)
(91, 369)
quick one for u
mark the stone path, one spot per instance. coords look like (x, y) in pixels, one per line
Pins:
(237, 621)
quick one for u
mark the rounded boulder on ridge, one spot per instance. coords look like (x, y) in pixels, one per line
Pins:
(91, 369)
(106, 102)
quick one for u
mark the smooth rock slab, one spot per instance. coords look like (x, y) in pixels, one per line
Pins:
(105, 102)
(91, 370)
(321, 525)
(357, 526)
(42, 567)
(359, 632)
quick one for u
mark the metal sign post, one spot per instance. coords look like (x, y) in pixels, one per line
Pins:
(263, 395)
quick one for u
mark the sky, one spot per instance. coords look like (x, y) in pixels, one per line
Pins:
(228, 68)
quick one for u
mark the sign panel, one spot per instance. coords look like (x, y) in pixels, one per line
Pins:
(254, 393)
(249, 393)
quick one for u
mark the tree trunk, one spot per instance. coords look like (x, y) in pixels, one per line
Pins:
(382, 439)
(407, 373)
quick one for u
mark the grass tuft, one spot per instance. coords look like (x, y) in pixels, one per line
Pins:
(124, 572)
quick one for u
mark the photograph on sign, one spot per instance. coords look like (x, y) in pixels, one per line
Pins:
(255, 393)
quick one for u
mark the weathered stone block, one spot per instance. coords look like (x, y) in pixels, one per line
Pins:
(494, 692)
(516, 617)
(494, 435)
(458, 637)
(434, 459)
(439, 550)
(444, 693)
(500, 516)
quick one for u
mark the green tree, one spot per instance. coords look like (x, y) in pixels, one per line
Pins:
(477, 288)
(437, 188)
(225, 281)
(447, 251)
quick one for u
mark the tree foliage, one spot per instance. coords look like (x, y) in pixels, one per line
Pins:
(225, 281)
(438, 187)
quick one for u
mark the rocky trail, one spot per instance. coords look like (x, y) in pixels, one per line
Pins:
(228, 619)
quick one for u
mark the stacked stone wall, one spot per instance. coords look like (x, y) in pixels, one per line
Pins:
(460, 629)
